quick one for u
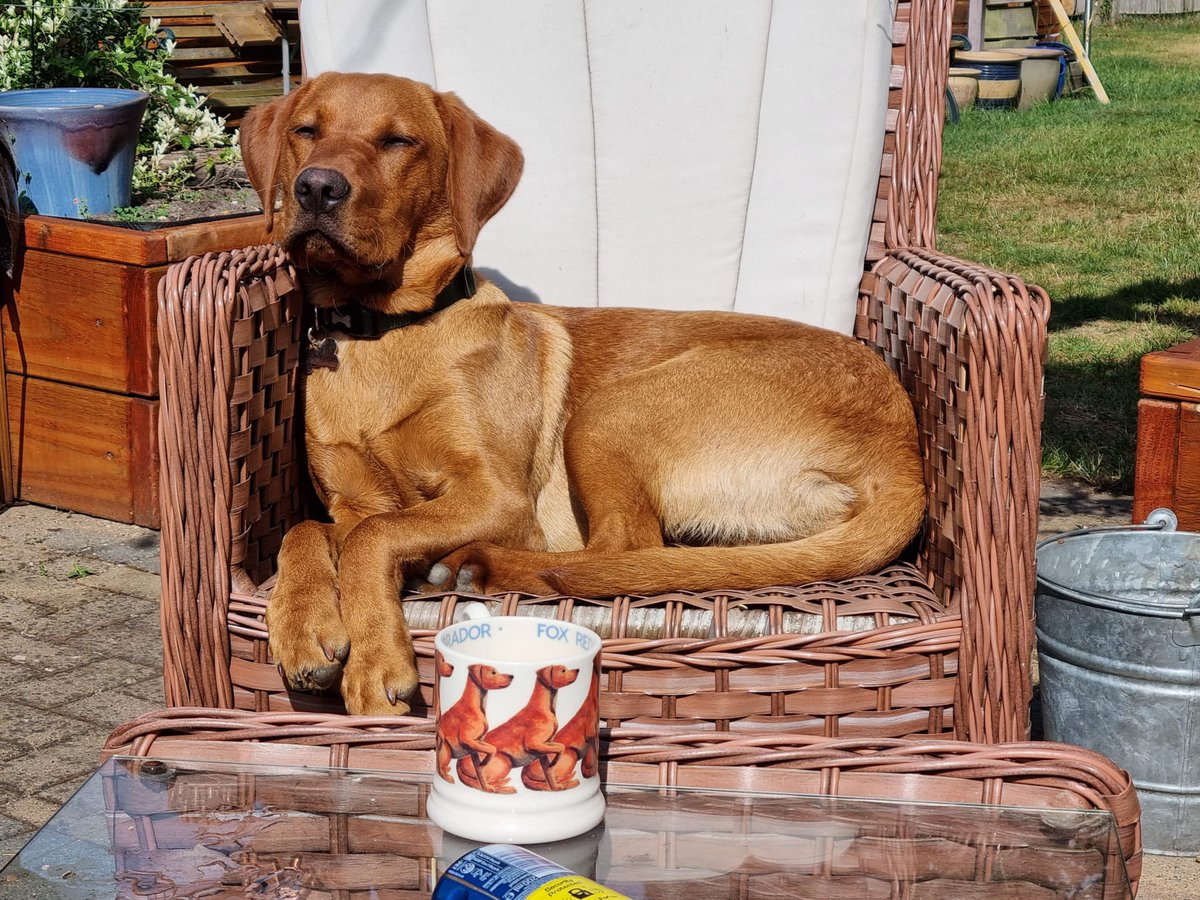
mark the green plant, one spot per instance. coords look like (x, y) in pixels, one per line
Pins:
(78, 571)
(137, 214)
(152, 177)
(228, 156)
(107, 43)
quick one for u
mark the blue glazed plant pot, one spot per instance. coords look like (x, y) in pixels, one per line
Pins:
(74, 146)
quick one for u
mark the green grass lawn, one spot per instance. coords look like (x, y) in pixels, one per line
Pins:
(1101, 207)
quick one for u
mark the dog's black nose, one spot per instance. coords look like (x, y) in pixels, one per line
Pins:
(320, 190)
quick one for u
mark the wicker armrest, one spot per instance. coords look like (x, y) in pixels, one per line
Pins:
(969, 345)
(229, 338)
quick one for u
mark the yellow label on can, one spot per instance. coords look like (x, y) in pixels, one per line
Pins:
(573, 887)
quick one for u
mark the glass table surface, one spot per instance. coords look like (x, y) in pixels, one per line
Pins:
(163, 829)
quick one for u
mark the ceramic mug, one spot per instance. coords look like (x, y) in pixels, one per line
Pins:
(517, 729)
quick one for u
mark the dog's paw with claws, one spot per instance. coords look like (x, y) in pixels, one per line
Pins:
(378, 682)
(306, 637)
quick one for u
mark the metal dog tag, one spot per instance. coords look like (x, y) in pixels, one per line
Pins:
(322, 353)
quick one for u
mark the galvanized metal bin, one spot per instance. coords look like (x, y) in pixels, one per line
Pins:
(1118, 630)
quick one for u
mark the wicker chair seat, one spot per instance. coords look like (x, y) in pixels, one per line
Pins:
(875, 655)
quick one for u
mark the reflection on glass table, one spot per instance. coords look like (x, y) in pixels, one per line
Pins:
(161, 829)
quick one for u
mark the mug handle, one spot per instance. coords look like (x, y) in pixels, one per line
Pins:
(476, 610)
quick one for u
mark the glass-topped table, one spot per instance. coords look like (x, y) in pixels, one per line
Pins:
(164, 829)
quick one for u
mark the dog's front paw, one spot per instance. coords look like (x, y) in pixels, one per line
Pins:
(377, 681)
(306, 636)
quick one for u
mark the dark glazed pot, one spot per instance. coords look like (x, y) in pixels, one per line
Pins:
(74, 146)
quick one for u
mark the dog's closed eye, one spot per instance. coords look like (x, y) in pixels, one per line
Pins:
(397, 140)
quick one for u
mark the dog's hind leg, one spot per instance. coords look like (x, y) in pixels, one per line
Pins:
(620, 512)
(548, 774)
(304, 626)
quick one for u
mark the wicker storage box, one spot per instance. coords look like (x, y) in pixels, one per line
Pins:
(264, 831)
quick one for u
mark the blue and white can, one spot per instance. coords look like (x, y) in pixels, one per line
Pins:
(508, 872)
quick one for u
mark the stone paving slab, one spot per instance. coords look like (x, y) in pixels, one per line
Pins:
(80, 652)
(79, 655)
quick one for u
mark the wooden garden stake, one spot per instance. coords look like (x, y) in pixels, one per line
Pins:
(1073, 39)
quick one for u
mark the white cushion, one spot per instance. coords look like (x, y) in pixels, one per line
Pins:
(680, 154)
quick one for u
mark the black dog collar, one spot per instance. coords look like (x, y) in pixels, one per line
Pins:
(361, 323)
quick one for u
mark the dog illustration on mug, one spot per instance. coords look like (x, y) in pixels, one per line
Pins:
(525, 740)
(461, 729)
(581, 738)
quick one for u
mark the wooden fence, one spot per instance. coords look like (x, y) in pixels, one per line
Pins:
(1154, 7)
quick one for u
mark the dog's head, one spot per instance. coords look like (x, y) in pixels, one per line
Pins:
(373, 167)
(488, 678)
(555, 677)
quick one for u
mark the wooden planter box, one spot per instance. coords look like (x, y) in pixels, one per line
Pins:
(1168, 437)
(81, 358)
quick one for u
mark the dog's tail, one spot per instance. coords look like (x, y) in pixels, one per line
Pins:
(865, 542)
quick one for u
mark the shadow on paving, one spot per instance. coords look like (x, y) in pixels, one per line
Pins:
(1073, 500)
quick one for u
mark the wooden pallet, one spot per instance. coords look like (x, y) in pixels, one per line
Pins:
(229, 50)
(233, 100)
(1047, 24)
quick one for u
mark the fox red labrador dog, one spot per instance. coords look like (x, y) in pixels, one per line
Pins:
(461, 728)
(491, 445)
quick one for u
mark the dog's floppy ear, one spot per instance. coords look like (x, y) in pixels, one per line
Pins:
(262, 143)
(484, 167)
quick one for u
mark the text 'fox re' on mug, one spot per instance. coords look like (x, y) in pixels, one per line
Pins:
(518, 717)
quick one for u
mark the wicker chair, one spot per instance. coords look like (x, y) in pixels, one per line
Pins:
(938, 644)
